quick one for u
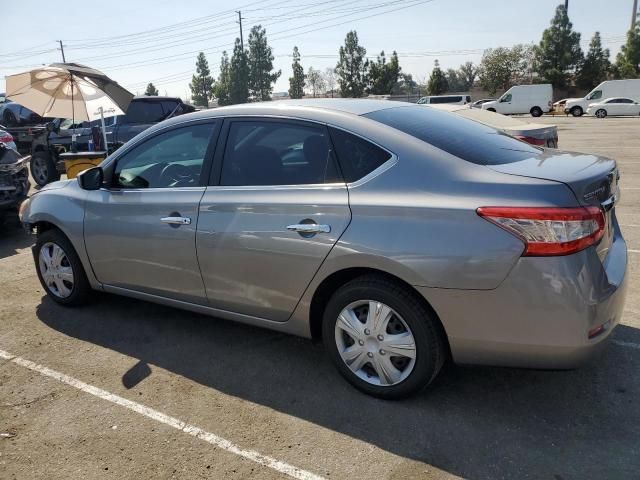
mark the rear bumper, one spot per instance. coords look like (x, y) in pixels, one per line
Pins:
(541, 315)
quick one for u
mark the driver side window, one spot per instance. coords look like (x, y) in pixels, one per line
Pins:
(506, 98)
(170, 159)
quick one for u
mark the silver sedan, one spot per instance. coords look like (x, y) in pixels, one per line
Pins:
(401, 236)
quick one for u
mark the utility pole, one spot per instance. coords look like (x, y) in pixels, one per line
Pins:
(62, 50)
(566, 6)
(634, 14)
(240, 22)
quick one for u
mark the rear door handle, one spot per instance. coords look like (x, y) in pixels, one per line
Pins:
(309, 228)
(176, 220)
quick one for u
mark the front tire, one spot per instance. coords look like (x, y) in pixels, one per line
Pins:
(43, 168)
(601, 113)
(60, 270)
(536, 112)
(577, 111)
(382, 338)
(492, 110)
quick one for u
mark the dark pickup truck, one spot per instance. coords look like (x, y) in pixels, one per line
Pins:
(143, 112)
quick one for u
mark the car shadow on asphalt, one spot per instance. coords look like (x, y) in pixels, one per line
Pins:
(13, 238)
(475, 422)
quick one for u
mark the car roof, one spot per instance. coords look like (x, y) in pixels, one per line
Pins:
(156, 98)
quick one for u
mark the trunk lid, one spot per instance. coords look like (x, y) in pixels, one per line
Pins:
(592, 179)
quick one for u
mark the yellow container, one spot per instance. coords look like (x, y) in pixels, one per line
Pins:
(74, 163)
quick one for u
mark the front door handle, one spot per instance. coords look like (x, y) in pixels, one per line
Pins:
(309, 228)
(176, 220)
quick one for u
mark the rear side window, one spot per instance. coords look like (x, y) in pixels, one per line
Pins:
(144, 112)
(466, 139)
(446, 99)
(357, 157)
(277, 153)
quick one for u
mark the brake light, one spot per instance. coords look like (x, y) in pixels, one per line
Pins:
(533, 141)
(549, 231)
(6, 138)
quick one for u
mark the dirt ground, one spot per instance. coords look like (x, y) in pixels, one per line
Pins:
(278, 395)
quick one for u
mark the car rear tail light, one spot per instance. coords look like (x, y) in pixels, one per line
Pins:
(533, 141)
(549, 231)
(6, 138)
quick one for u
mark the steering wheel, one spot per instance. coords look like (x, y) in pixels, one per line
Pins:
(176, 175)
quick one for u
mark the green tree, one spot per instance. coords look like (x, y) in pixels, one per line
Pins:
(628, 60)
(352, 67)
(467, 74)
(596, 65)
(503, 67)
(151, 90)
(202, 82)
(437, 81)
(315, 81)
(296, 83)
(559, 53)
(223, 85)
(260, 58)
(383, 75)
(454, 81)
(238, 75)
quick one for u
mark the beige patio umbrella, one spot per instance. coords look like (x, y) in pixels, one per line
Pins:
(69, 90)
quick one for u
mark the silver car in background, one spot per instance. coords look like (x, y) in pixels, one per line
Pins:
(400, 235)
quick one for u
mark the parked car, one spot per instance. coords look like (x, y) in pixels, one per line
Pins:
(7, 139)
(14, 181)
(614, 106)
(608, 89)
(533, 133)
(478, 103)
(13, 114)
(521, 99)
(456, 99)
(401, 235)
(142, 113)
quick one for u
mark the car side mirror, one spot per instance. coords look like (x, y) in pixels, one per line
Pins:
(91, 179)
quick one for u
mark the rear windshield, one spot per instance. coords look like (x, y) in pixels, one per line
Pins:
(466, 139)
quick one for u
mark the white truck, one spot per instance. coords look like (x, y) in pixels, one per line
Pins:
(610, 88)
(520, 99)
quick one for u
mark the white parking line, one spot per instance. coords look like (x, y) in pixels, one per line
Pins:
(626, 344)
(630, 250)
(197, 432)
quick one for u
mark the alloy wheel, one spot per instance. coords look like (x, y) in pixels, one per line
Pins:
(56, 270)
(375, 343)
(40, 170)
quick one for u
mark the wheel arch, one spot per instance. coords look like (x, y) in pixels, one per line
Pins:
(341, 277)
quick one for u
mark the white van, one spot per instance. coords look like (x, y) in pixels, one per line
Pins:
(610, 88)
(533, 99)
(451, 99)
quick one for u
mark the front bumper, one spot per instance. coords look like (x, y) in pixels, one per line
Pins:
(541, 315)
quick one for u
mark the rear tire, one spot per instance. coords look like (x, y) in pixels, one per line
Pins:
(43, 168)
(60, 270)
(576, 111)
(536, 112)
(400, 323)
(601, 113)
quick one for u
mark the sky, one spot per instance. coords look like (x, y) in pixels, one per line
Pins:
(140, 41)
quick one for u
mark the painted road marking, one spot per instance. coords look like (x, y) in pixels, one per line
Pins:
(626, 344)
(192, 430)
(633, 251)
